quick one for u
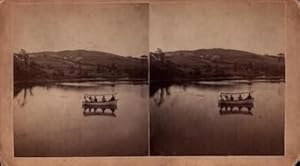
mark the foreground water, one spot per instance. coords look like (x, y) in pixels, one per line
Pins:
(49, 121)
(186, 120)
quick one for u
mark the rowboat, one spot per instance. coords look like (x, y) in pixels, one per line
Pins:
(89, 102)
(100, 103)
(225, 101)
(237, 102)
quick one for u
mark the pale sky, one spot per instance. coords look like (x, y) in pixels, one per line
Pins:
(230, 24)
(134, 29)
(121, 29)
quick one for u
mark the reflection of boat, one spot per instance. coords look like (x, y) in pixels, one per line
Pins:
(228, 99)
(226, 106)
(224, 112)
(90, 113)
(92, 110)
(236, 109)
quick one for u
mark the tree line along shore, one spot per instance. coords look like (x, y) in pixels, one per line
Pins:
(202, 64)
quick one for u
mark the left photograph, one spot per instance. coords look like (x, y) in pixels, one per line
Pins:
(80, 80)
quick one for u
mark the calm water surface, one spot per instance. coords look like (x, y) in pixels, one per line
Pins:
(49, 121)
(186, 120)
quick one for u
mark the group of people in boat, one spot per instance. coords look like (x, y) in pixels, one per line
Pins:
(94, 99)
(231, 98)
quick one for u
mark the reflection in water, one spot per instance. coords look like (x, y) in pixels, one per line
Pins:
(25, 90)
(159, 91)
(68, 129)
(226, 109)
(187, 120)
(19, 88)
(92, 110)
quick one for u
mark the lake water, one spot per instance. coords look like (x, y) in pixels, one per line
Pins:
(186, 120)
(49, 121)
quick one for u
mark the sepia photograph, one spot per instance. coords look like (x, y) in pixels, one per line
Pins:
(80, 80)
(217, 79)
(149, 82)
(159, 79)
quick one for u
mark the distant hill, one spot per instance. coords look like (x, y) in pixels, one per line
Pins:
(84, 57)
(210, 64)
(201, 64)
(76, 64)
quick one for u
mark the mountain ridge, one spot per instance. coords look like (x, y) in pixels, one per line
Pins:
(70, 64)
(216, 63)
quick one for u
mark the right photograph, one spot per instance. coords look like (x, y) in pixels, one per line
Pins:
(217, 78)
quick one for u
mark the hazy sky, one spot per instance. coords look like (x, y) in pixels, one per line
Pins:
(256, 27)
(124, 29)
(121, 29)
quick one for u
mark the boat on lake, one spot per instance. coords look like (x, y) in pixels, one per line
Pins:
(96, 101)
(100, 103)
(236, 99)
(237, 102)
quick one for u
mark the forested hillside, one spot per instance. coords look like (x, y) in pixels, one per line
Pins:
(77, 64)
(214, 64)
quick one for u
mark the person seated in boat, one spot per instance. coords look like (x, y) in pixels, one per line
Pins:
(226, 97)
(240, 97)
(86, 99)
(249, 96)
(112, 98)
(103, 99)
(231, 98)
(95, 99)
(221, 98)
(90, 98)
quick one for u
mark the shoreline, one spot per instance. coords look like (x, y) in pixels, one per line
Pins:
(79, 80)
(273, 78)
